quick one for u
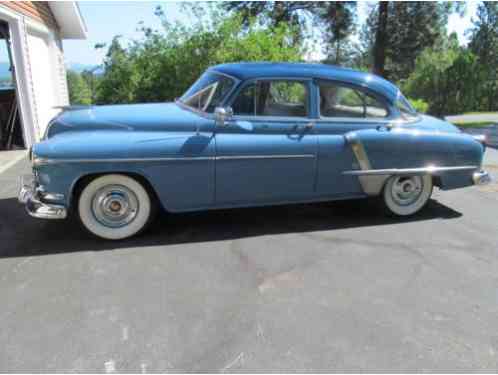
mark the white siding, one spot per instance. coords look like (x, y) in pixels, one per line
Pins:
(44, 78)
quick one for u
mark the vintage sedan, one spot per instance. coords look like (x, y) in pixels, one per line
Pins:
(247, 134)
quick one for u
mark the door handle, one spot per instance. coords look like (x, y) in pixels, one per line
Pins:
(307, 126)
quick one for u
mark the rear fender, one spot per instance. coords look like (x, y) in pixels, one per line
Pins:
(450, 157)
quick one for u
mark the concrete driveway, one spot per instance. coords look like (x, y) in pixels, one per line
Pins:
(333, 287)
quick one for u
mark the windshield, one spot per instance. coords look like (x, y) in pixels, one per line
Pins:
(208, 92)
(404, 106)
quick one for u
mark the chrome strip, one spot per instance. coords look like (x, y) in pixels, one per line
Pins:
(124, 160)
(195, 158)
(359, 151)
(238, 157)
(395, 171)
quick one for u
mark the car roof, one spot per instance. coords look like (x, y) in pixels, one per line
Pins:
(251, 70)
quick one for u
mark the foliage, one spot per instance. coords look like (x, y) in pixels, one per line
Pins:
(484, 44)
(411, 49)
(445, 78)
(419, 105)
(336, 20)
(478, 124)
(162, 65)
(79, 93)
(411, 27)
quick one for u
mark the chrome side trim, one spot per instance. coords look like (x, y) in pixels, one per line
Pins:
(238, 157)
(395, 171)
(195, 158)
(359, 151)
(124, 160)
(372, 180)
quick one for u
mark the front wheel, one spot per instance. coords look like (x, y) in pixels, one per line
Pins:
(406, 195)
(114, 207)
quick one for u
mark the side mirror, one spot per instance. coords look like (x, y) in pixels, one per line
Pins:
(222, 115)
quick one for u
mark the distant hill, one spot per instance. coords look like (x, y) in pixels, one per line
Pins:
(78, 68)
(5, 73)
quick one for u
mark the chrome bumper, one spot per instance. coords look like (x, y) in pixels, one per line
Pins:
(481, 178)
(29, 196)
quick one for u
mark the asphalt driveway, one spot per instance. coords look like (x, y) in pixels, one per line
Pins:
(308, 287)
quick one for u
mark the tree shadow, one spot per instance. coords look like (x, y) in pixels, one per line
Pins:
(21, 235)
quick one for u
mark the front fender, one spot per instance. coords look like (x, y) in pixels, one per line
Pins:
(169, 161)
(451, 157)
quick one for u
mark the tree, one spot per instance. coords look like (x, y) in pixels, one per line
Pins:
(395, 33)
(336, 21)
(379, 49)
(79, 92)
(484, 44)
(163, 64)
(447, 77)
(120, 79)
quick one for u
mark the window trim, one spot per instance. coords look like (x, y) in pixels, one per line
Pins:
(380, 98)
(236, 84)
(307, 83)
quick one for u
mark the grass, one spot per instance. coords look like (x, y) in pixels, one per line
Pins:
(475, 124)
(480, 113)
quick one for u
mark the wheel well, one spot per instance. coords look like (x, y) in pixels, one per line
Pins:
(83, 181)
(436, 181)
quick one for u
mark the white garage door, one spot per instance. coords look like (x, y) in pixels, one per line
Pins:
(43, 79)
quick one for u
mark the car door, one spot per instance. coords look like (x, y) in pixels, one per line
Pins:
(343, 108)
(267, 152)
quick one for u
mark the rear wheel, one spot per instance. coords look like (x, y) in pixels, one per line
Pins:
(406, 195)
(114, 207)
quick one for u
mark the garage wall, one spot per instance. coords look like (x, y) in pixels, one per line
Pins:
(43, 79)
(39, 62)
(36, 10)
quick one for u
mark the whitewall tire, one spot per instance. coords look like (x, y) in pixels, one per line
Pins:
(406, 195)
(114, 207)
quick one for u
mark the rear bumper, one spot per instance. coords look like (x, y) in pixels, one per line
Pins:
(29, 195)
(481, 178)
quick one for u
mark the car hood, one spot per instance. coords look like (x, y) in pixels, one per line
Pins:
(142, 117)
(432, 124)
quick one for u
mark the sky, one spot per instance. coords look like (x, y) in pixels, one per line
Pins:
(105, 19)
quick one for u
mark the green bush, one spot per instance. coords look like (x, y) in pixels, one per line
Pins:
(419, 105)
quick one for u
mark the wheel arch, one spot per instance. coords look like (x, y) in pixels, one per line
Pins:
(83, 180)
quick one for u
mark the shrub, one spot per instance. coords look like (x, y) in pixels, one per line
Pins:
(419, 105)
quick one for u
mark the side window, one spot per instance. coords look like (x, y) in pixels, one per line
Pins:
(342, 101)
(272, 98)
(244, 104)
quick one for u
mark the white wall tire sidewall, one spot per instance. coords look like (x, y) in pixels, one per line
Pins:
(87, 216)
(413, 208)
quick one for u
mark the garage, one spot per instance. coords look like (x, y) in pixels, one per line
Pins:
(33, 85)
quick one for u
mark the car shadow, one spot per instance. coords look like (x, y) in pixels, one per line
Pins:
(21, 235)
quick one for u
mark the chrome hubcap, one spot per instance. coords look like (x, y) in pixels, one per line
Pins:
(406, 190)
(115, 206)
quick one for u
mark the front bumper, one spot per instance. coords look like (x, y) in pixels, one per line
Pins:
(29, 195)
(481, 178)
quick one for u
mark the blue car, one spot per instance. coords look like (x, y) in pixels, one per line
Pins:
(247, 134)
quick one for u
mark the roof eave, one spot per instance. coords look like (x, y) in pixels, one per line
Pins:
(69, 19)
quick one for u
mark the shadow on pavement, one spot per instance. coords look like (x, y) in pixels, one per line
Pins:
(21, 235)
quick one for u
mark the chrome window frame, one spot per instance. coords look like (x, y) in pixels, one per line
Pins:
(307, 82)
(367, 120)
(222, 102)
